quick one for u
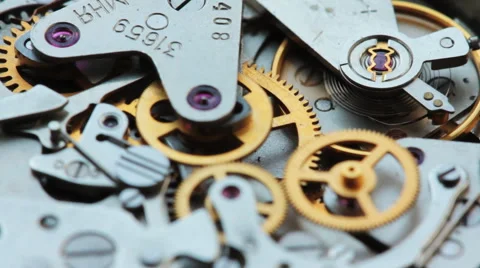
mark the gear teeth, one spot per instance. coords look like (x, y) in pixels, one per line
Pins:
(302, 158)
(293, 102)
(25, 24)
(8, 40)
(16, 32)
(9, 73)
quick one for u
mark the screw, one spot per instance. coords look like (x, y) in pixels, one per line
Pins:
(77, 170)
(447, 42)
(324, 105)
(49, 222)
(428, 96)
(131, 198)
(89, 250)
(204, 98)
(187, 5)
(438, 103)
(449, 175)
(62, 35)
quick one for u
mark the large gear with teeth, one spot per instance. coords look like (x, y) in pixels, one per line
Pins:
(351, 180)
(251, 133)
(296, 110)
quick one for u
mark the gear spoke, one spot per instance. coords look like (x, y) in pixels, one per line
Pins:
(265, 208)
(350, 179)
(283, 120)
(249, 97)
(274, 213)
(219, 175)
(164, 129)
(368, 207)
(309, 175)
(375, 156)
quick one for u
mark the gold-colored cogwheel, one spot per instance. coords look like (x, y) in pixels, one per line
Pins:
(251, 134)
(9, 61)
(296, 109)
(274, 211)
(350, 179)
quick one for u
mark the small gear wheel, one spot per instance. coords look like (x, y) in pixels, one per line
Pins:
(9, 61)
(193, 192)
(352, 180)
(250, 135)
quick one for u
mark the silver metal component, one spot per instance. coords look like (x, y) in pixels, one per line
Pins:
(327, 25)
(198, 237)
(93, 152)
(166, 36)
(304, 244)
(346, 107)
(417, 89)
(89, 250)
(78, 104)
(40, 100)
(98, 236)
(417, 245)
(131, 198)
(243, 231)
(142, 166)
(357, 33)
(460, 247)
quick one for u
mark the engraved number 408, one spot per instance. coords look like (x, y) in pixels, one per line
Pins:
(221, 21)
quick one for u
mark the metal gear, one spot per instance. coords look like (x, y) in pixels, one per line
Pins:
(251, 134)
(9, 73)
(353, 180)
(274, 211)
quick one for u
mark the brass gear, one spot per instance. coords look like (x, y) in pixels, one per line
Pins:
(275, 211)
(252, 133)
(297, 111)
(352, 179)
(9, 61)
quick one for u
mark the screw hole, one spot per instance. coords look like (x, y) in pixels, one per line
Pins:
(418, 154)
(110, 121)
(49, 222)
